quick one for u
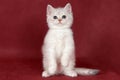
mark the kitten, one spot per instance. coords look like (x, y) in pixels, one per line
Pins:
(58, 48)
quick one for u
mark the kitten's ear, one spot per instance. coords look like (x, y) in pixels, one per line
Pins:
(49, 9)
(68, 7)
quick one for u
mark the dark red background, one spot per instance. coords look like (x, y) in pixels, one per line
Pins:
(96, 32)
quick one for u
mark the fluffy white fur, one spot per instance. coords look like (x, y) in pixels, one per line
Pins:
(58, 48)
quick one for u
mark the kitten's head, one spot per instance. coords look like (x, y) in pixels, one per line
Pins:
(59, 17)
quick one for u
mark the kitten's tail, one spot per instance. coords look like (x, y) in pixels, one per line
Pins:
(86, 71)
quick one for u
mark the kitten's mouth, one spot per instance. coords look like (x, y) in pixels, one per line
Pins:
(60, 23)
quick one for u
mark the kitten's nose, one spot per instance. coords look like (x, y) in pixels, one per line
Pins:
(59, 20)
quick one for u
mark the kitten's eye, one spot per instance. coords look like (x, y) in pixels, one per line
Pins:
(54, 17)
(64, 16)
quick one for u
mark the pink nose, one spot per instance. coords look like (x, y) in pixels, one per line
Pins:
(59, 20)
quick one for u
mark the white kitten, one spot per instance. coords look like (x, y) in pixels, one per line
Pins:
(58, 48)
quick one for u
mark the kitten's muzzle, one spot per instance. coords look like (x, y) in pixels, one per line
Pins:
(59, 20)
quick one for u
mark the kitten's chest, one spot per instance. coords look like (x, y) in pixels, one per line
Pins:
(59, 35)
(60, 42)
(58, 39)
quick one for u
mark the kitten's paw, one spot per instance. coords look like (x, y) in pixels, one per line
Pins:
(45, 74)
(70, 73)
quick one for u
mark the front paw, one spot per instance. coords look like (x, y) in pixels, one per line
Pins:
(70, 73)
(45, 74)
